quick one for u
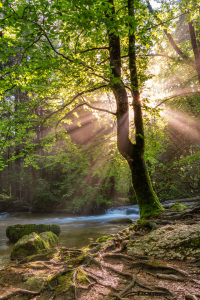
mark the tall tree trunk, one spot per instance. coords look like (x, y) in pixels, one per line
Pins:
(134, 153)
(17, 162)
(195, 48)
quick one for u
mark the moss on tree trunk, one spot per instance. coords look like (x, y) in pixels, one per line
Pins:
(147, 199)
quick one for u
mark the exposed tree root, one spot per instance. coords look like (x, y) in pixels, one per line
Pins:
(128, 288)
(91, 260)
(117, 256)
(22, 292)
(149, 293)
(141, 257)
(158, 268)
(95, 249)
(164, 290)
(94, 277)
(190, 297)
(171, 215)
(167, 277)
(107, 286)
(126, 275)
(89, 272)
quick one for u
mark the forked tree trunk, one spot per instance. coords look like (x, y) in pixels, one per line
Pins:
(148, 202)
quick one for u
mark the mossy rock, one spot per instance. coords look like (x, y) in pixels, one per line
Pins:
(50, 238)
(143, 223)
(121, 221)
(33, 243)
(15, 232)
(177, 206)
(28, 245)
(103, 239)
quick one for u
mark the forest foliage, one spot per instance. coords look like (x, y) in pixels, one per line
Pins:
(57, 112)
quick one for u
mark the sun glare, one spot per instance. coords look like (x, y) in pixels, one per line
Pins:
(186, 124)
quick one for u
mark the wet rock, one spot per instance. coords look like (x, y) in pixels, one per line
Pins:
(15, 232)
(131, 211)
(169, 242)
(121, 221)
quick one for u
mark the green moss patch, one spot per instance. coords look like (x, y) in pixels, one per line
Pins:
(103, 239)
(177, 206)
(50, 238)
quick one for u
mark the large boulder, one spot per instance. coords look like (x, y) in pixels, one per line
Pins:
(33, 243)
(15, 232)
(169, 242)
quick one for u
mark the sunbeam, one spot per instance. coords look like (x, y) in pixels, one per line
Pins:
(188, 126)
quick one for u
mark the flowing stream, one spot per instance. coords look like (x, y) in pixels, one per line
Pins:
(75, 231)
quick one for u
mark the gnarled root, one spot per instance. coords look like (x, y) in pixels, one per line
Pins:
(17, 292)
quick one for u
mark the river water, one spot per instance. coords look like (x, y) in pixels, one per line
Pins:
(75, 231)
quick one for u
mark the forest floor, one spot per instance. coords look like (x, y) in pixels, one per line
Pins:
(104, 270)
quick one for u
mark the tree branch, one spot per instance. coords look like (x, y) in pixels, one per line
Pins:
(74, 98)
(100, 109)
(79, 105)
(170, 38)
(171, 19)
(177, 49)
(70, 112)
(76, 45)
(164, 55)
(151, 54)
(177, 95)
(30, 46)
(92, 49)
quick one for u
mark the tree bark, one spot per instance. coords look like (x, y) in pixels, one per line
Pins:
(133, 152)
(195, 48)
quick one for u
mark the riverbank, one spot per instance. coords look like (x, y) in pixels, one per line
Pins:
(76, 231)
(105, 270)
